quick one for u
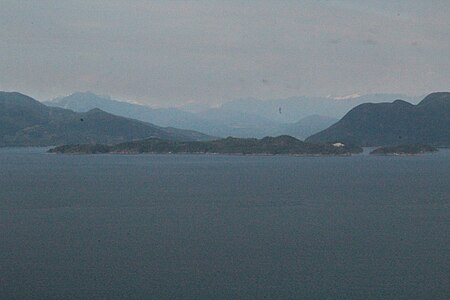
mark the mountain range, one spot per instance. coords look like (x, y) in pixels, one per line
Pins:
(27, 122)
(299, 116)
(396, 123)
(212, 122)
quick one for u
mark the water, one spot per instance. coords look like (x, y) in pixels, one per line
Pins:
(207, 226)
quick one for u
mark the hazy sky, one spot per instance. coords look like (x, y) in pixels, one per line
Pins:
(173, 52)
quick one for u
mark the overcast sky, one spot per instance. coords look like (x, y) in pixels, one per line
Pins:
(172, 52)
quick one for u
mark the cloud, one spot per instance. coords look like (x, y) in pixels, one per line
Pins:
(347, 97)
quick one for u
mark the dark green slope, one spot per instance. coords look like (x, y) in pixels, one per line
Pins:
(26, 122)
(18, 111)
(393, 123)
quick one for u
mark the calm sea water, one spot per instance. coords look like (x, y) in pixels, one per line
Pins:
(206, 226)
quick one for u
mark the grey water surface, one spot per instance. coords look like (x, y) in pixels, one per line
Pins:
(228, 227)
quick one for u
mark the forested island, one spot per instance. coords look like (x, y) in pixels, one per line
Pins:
(246, 146)
(404, 150)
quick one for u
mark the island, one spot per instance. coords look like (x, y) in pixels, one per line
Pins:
(404, 150)
(283, 144)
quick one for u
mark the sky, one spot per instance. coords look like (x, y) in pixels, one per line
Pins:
(169, 53)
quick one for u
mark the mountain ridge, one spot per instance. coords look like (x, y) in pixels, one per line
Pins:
(249, 117)
(26, 122)
(398, 122)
